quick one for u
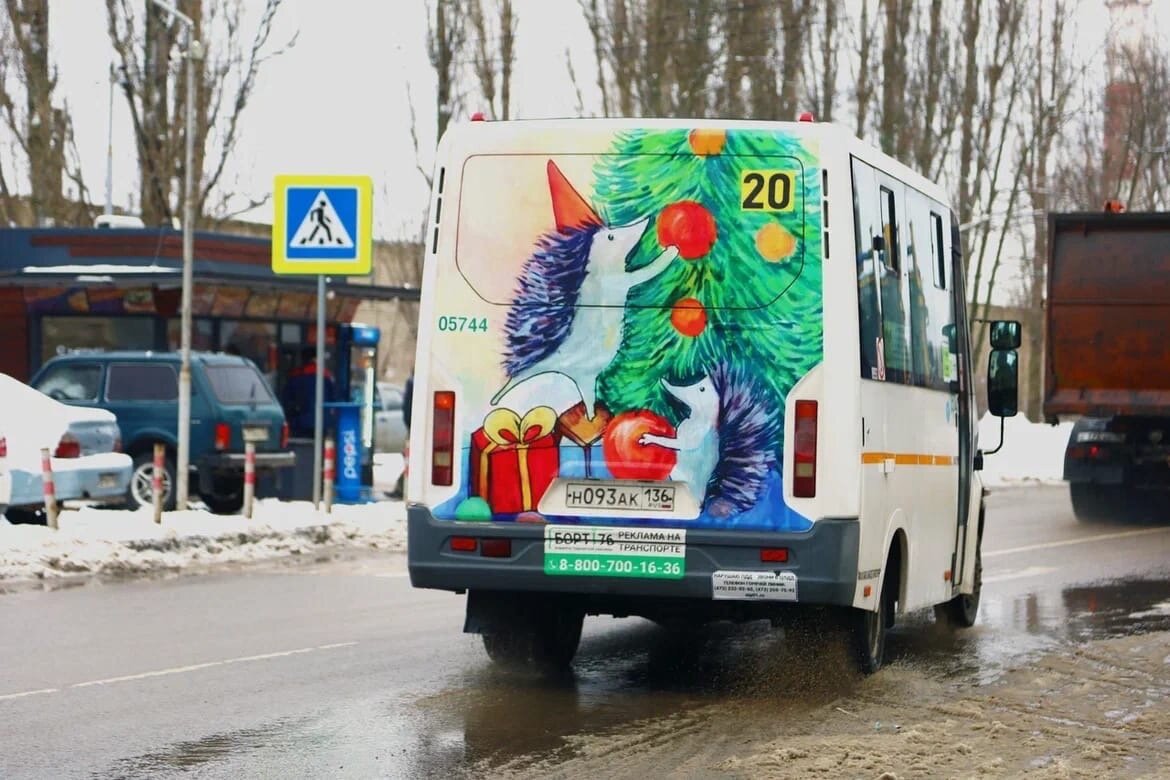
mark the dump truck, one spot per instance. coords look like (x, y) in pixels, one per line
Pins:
(1107, 358)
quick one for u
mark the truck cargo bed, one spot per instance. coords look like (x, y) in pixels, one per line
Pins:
(1108, 315)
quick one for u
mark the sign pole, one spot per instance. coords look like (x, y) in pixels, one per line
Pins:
(318, 404)
(322, 225)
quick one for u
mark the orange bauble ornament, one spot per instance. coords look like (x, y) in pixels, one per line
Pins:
(707, 142)
(774, 243)
(689, 317)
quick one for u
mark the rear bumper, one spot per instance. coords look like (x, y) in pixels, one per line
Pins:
(235, 460)
(91, 477)
(823, 559)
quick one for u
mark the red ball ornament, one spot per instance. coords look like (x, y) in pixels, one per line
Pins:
(627, 458)
(689, 317)
(689, 226)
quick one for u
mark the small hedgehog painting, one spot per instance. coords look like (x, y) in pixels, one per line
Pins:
(558, 322)
(727, 443)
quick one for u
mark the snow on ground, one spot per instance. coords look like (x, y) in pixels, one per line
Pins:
(111, 541)
(1032, 452)
(114, 541)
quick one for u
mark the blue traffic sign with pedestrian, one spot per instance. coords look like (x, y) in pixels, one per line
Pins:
(321, 223)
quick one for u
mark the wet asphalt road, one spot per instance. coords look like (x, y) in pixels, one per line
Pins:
(337, 668)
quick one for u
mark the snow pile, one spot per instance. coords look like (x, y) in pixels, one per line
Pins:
(1032, 452)
(110, 541)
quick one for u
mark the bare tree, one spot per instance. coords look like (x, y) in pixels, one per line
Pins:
(446, 37)
(1052, 78)
(863, 87)
(41, 127)
(147, 45)
(664, 58)
(494, 54)
(821, 66)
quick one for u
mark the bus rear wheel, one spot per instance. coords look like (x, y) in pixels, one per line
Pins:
(544, 641)
(866, 630)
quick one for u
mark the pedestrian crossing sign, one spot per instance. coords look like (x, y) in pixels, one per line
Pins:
(322, 225)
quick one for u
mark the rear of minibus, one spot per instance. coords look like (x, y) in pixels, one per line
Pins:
(620, 383)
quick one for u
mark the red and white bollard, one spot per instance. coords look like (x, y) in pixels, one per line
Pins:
(328, 473)
(249, 478)
(156, 480)
(50, 491)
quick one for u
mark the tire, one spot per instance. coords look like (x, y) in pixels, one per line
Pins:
(1092, 502)
(962, 610)
(228, 498)
(140, 492)
(544, 641)
(866, 631)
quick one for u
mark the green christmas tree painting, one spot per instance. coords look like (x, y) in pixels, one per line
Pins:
(739, 314)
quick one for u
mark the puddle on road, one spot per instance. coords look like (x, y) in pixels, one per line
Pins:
(644, 672)
(636, 671)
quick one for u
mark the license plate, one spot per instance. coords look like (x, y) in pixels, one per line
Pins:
(107, 480)
(255, 434)
(626, 498)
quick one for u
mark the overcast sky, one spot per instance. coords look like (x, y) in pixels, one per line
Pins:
(336, 102)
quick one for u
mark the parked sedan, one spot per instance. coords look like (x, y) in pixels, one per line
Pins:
(84, 448)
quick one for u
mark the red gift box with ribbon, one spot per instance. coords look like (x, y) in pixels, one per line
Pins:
(514, 459)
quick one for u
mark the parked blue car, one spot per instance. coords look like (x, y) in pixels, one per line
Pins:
(231, 404)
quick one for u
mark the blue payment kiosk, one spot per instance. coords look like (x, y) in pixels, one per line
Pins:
(352, 411)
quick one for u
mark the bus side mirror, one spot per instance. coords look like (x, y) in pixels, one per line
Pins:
(1003, 383)
(1005, 334)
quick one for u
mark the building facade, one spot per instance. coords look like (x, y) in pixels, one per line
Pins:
(75, 289)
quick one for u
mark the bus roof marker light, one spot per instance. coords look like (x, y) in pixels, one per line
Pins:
(806, 116)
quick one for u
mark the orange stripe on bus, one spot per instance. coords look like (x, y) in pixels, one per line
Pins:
(908, 458)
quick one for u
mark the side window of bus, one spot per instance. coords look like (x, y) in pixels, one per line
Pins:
(867, 228)
(919, 258)
(895, 319)
(941, 302)
(940, 305)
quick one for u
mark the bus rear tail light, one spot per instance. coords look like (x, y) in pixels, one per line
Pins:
(464, 543)
(3, 447)
(774, 555)
(804, 450)
(443, 438)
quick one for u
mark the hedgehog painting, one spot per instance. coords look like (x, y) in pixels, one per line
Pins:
(558, 323)
(726, 445)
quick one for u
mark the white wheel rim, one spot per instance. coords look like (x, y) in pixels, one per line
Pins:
(142, 484)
